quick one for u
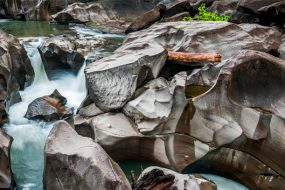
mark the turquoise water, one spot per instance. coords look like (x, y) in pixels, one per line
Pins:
(32, 28)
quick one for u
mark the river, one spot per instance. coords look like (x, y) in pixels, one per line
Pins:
(27, 154)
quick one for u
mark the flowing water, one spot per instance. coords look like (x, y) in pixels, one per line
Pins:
(27, 153)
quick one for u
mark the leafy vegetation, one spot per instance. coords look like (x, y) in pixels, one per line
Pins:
(203, 14)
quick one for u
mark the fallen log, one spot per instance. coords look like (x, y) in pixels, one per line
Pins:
(194, 57)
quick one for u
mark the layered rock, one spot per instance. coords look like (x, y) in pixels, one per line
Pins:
(282, 48)
(119, 75)
(6, 176)
(15, 72)
(75, 161)
(49, 108)
(159, 178)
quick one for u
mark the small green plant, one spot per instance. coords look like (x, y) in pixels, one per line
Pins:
(203, 14)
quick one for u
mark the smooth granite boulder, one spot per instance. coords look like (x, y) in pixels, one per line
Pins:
(75, 161)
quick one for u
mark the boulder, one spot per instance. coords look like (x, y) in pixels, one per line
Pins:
(74, 161)
(49, 108)
(67, 51)
(84, 13)
(15, 72)
(119, 75)
(147, 19)
(158, 178)
(158, 105)
(6, 176)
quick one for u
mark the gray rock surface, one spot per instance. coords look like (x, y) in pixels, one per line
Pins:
(159, 104)
(119, 75)
(75, 161)
(6, 176)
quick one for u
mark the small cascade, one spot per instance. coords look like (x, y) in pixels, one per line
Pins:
(27, 152)
(36, 61)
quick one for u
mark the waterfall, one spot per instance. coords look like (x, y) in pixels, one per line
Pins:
(27, 151)
(36, 61)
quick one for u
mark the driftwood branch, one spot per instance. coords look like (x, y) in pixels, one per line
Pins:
(193, 57)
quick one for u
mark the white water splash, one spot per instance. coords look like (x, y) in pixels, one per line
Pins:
(27, 152)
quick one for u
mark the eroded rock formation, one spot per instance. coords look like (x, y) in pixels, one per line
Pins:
(6, 176)
(15, 72)
(119, 75)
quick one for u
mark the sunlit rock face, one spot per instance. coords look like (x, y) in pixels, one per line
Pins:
(156, 177)
(6, 177)
(118, 76)
(15, 72)
(75, 161)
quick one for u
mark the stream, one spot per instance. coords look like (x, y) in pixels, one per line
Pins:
(27, 154)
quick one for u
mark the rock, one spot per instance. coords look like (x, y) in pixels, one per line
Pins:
(158, 104)
(15, 72)
(119, 136)
(177, 17)
(282, 48)
(177, 7)
(67, 52)
(75, 161)
(228, 7)
(6, 176)
(147, 19)
(158, 177)
(239, 166)
(119, 75)
(84, 13)
(49, 108)
(245, 111)
(255, 5)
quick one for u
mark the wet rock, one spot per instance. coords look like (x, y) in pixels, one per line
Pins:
(161, 177)
(119, 75)
(239, 166)
(158, 105)
(49, 108)
(67, 52)
(15, 72)
(228, 7)
(6, 176)
(74, 161)
(147, 19)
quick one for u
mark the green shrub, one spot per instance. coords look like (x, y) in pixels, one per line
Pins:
(203, 14)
